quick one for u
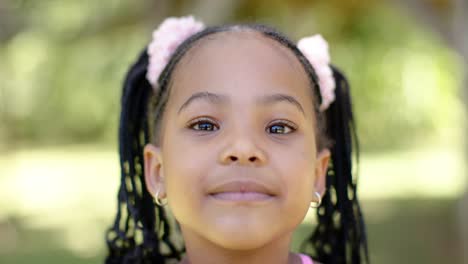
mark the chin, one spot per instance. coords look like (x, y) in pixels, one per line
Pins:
(241, 241)
(241, 235)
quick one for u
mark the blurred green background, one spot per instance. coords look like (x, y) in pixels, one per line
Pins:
(62, 64)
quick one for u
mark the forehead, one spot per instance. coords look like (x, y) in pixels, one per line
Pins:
(240, 63)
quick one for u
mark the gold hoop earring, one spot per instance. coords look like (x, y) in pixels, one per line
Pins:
(158, 202)
(317, 203)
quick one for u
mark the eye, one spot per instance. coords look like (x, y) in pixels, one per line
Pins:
(281, 127)
(203, 124)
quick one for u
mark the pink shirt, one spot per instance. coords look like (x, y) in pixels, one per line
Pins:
(306, 259)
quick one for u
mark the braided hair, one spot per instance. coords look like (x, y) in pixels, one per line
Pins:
(145, 233)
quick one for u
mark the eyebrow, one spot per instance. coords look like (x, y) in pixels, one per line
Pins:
(264, 100)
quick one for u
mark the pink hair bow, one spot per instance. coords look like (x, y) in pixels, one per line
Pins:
(315, 49)
(166, 38)
(173, 31)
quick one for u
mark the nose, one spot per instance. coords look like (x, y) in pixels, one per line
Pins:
(243, 151)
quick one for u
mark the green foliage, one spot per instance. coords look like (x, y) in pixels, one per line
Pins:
(63, 64)
(404, 81)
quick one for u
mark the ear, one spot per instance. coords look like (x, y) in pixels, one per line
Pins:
(154, 177)
(321, 166)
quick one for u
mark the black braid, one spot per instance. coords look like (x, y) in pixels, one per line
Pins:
(340, 235)
(134, 236)
(143, 232)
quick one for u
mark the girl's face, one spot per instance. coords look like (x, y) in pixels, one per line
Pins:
(240, 112)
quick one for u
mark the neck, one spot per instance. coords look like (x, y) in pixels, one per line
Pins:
(202, 251)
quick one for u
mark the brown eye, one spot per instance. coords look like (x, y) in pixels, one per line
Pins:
(203, 124)
(282, 127)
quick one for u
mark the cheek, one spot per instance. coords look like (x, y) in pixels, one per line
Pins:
(298, 172)
(185, 167)
(183, 188)
(299, 178)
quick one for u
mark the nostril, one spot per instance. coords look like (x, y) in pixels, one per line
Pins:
(234, 158)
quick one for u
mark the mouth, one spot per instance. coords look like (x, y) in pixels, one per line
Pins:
(241, 196)
(242, 191)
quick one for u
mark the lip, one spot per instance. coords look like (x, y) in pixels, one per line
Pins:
(242, 187)
(242, 191)
(241, 197)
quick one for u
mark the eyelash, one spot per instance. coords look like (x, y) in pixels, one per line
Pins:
(286, 123)
(201, 120)
(205, 120)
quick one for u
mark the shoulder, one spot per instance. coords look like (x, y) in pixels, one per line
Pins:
(305, 259)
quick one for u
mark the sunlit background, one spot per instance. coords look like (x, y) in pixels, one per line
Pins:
(62, 63)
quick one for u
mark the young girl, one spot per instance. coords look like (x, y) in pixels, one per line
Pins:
(227, 136)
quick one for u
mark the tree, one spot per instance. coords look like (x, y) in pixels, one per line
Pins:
(449, 19)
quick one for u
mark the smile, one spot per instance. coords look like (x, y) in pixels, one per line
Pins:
(242, 191)
(242, 196)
